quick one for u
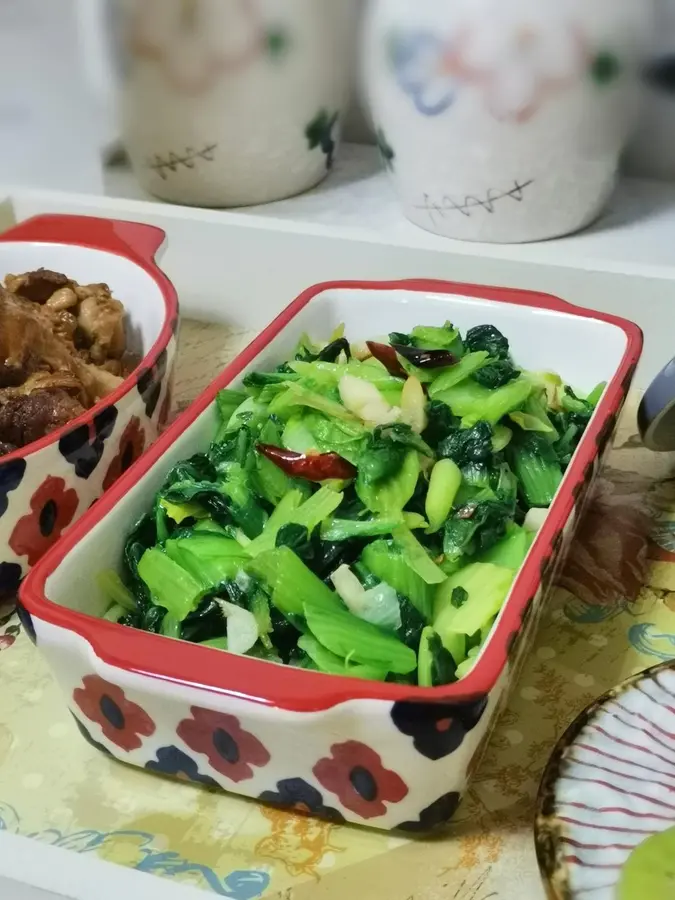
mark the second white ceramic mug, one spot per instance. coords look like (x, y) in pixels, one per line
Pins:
(651, 153)
(503, 120)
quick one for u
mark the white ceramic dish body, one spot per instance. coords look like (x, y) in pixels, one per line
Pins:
(46, 486)
(383, 755)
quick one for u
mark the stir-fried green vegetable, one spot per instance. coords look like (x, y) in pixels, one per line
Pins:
(358, 513)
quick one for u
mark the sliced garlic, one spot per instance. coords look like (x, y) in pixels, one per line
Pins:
(360, 351)
(364, 400)
(413, 405)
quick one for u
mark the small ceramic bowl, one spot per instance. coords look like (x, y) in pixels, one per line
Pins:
(378, 754)
(608, 787)
(46, 486)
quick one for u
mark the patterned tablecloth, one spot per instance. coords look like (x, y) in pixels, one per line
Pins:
(612, 614)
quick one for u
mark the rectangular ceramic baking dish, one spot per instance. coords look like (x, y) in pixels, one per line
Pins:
(384, 755)
(46, 485)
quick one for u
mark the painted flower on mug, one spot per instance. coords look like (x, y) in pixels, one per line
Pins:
(424, 67)
(194, 42)
(519, 60)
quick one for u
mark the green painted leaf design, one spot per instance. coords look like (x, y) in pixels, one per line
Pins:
(277, 42)
(385, 148)
(319, 133)
(605, 68)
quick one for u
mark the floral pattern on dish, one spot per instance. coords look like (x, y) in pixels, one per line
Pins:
(172, 761)
(150, 383)
(297, 795)
(131, 446)
(436, 815)
(437, 729)
(11, 476)
(83, 446)
(356, 775)
(53, 508)
(10, 579)
(121, 721)
(229, 749)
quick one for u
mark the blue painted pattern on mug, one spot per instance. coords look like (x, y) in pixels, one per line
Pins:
(420, 65)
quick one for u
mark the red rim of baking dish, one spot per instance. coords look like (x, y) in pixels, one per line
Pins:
(136, 242)
(297, 689)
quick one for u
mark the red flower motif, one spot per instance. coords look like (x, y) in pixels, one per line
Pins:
(356, 775)
(230, 750)
(121, 721)
(132, 444)
(53, 509)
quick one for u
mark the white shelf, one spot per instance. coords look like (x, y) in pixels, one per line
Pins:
(243, 266)
(33, 870)
(357, 201)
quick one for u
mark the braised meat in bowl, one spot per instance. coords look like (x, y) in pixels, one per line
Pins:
(63, 348)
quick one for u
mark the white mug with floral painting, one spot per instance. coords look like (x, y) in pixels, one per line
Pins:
(234, 102)
(504, 120)
(651, 153)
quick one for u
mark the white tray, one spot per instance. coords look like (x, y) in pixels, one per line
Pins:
(241, 267)
(30, 870)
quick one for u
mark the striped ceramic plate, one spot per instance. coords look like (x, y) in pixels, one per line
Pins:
(609, 785)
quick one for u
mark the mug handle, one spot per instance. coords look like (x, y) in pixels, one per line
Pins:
(656, 413)
(133, 240)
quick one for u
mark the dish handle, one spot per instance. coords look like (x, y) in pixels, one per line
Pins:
(656, 413)
(131, 239)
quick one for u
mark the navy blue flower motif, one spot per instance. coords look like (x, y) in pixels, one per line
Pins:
(435, 816)
(150, 384)
(422, 71)
(84, 731)
(83, 447)
(172, 761)
(10, 578)
(26, 621)
(295, 794)
(437, 729)
(11, 476)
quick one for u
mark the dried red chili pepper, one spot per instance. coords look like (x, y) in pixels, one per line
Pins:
(426, 359)
(386, 354)
(312, 467)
